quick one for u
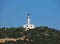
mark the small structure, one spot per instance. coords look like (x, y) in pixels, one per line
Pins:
(28, 25)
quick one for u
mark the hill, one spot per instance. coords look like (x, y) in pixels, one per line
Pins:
(39, 35)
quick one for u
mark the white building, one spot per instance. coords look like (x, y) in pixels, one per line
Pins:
(28, 25)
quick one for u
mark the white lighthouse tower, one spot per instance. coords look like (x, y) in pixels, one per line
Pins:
(28, 25)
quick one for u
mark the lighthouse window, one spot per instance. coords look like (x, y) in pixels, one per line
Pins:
(27, 25)
(31, 26)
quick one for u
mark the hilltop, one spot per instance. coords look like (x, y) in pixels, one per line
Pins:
(39, 35)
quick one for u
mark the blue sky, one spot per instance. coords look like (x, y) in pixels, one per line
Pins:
(13, 13)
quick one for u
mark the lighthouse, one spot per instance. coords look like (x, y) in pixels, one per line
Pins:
(28, 25)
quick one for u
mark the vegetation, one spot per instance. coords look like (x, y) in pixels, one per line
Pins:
(39, 35)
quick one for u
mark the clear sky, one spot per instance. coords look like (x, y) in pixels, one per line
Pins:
(13, 13)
